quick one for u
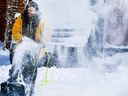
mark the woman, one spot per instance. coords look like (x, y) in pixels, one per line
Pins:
(30, 25)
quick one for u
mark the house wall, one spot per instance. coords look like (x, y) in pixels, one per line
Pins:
(2, 18)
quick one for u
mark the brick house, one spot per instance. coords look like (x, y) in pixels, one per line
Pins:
(2, 18)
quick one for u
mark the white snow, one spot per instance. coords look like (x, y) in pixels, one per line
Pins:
(82, 82)
(95, 80)
(27, 45)
(70, 15)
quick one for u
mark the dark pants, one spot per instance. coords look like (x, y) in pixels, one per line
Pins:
(12, 49)
(28, 70)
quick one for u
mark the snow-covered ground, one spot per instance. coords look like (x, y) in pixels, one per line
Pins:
(103, 77)
(82, 82)
(4, 56)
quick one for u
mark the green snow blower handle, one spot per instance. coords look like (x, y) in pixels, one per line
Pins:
(45, 82)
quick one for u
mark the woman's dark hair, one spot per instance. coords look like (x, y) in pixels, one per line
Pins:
(25, 16)
(32, 4)
(26, 19)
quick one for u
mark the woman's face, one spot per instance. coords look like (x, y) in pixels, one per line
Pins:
(31, 11)
(24, 1)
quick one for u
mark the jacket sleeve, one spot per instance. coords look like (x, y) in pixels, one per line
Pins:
(39, 31)
(17, 29)
(46, 34)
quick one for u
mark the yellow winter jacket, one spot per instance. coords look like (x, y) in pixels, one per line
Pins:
(17, 30)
